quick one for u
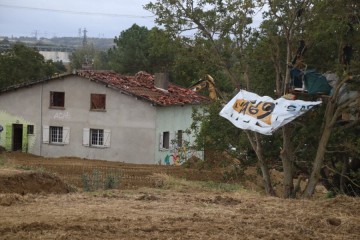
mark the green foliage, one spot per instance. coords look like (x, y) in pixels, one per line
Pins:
(112, 180)
(21, 64)
(131, 53)
(82, 56)
(101, 180)
(85, 178)
(330, 194)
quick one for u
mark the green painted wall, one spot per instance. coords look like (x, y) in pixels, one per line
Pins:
(172, 119)
(7, 120)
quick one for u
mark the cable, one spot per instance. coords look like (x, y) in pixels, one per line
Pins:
(75, 12)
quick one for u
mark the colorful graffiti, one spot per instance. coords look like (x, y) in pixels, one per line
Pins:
(180, 155)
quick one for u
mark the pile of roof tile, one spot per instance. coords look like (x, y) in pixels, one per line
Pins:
(142, 85)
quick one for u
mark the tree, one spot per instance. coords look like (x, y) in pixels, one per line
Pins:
(21, 64)
(225, 27)
(131, 53)
(245, 56)
(83, 56)
(344, 23)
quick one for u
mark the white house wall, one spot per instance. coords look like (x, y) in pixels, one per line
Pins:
(130, 121)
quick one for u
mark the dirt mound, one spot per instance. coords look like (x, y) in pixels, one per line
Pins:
(10, 199)
(23, 182)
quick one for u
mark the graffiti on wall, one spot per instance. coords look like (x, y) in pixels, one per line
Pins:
(179, 155)
(62, 116)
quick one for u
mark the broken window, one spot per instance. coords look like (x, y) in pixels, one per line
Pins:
(166, 140)
(57, 99)
(98, 101)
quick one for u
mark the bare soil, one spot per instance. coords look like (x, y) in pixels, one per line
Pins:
(155, 209)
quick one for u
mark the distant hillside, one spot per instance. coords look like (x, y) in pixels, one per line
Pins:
(72, 42)
(99, 43)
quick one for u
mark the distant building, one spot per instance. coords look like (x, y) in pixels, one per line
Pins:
(56, 56)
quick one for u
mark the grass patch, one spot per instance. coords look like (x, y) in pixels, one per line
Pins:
(183, 184)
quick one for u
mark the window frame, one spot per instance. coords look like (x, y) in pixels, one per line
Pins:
(99, 137)
(47, 135)
(165, 140)
(58, 133)
(88, 137)
(55, 98)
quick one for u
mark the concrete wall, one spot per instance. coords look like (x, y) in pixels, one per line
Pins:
(131, 121)
(173, 119)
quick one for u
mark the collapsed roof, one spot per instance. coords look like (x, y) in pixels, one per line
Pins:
(143, 85)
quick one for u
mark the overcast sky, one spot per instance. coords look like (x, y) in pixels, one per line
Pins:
(64, 18)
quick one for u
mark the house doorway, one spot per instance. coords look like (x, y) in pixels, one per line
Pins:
(17, 137)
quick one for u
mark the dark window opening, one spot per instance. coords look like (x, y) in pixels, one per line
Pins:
(179, 138)
(57, 99)
(98, 101)
(166, 140)
(30, 129)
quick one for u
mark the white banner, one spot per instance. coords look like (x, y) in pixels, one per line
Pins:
(263, 114)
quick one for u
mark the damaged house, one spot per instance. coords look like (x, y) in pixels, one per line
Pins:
(100, 115)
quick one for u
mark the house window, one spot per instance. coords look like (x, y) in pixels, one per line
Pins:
(98, 101)
(179, 138)
(166, 140)
(30, 129)
(57, 99)
(56, 134)
(96, 137)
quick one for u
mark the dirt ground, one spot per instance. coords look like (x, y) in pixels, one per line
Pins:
(155, 205)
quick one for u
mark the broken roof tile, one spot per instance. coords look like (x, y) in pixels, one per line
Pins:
(142, 85)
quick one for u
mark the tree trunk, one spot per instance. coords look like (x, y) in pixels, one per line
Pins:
(256, 145)
(319, 158)
(287, 157)
(318, 162)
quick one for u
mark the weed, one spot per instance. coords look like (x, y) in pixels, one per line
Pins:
(96, 181)
(330, 194)
(23, 167)
(112, 179)
(86, 182)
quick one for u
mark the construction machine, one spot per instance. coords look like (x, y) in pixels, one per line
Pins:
(208, 82)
